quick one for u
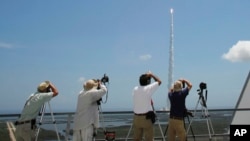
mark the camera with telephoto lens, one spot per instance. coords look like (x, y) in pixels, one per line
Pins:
(203, 85)
(105, 79)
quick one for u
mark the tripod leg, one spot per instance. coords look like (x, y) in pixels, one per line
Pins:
(41, 120)
(165, 132)
(129, 132)
(194, 115)
(68, 127)
(102, 118)
(163, 137)
(54, 122)
(211, 126)
(191, 128)
(208, 130)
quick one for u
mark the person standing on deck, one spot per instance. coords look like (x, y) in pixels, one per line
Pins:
(143, 116)
(177, 96)
(26, 124)
(87, 112)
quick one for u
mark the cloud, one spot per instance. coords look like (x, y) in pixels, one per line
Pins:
(145, 57)
(81, 79)
(5, 45)
(239, 52)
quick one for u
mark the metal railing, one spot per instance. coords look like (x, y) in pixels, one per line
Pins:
(120, 122)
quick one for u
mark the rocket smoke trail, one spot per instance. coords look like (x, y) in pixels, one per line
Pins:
(171, 55)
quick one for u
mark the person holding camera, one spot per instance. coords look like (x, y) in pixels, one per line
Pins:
(177, 96)
(26, 124)
(87, 114)
(143, 116)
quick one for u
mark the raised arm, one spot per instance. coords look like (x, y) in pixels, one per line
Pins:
(53, 89)
(150, 74)
(189, 84)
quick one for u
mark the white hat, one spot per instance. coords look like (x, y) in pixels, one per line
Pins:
(43, 86)
(90, 84)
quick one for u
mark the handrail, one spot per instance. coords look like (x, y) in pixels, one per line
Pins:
(129, 112)
(69, 119)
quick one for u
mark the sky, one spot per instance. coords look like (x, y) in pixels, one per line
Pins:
(69, 42)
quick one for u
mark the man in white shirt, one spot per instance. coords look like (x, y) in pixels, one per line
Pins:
(25, 130)
(87, 113)
(142, 96)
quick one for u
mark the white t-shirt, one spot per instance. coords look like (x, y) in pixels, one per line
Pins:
(142, 96)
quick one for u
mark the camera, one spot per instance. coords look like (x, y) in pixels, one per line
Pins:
(203, 85)
(105, 79)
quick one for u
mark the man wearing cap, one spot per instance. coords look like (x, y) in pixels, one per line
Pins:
(142, 96)
(177, 95)
(87, 113)
(25, 126)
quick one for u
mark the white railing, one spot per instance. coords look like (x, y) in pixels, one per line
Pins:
(124, 119)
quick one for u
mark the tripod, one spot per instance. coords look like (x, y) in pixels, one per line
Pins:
(156, 118)
(41, 114)
(205, 114)
(109, 135)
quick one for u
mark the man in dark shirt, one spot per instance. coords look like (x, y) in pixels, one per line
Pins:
(177, 96)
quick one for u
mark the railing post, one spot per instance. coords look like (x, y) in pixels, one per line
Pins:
(68, 127)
